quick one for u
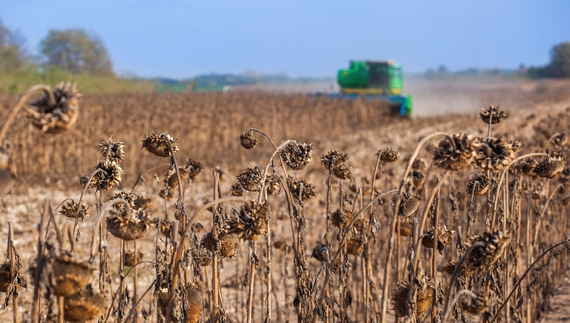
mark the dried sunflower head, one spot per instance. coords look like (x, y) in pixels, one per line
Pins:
(250, 222)
(388, 154)
(59, 116)
(69, 275)
(248, 140)
(157, 144)
(492, 114)
(272, 183)
(225, 246)
(444, 237)
(166, 193)
(495, 154)
(424, 296)
(478, 184)
(333, 159)
(550, 167)
(487, 249)
(341, 219)
(250, 180)
(237, 190)
(135, 201)
(301, 190)
(112, 150)
(108, 174)
(85, 305)
(72, 209)
(129, 228)
(321, 252)
(296, 155)
(454, 152)
(354, 246)
(342, 172)
(409, 203)
(171, 179)
(193, 168)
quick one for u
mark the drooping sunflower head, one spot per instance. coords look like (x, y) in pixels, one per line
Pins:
(296, 155)
(158, 144)
(59, 116)
(248, 140)
(388, 154)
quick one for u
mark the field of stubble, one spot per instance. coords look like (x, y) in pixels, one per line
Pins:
(302, 226)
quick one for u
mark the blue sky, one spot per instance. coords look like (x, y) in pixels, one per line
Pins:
(184, 38)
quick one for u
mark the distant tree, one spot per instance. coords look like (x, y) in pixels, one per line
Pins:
(12, 52)
(77, 51)
(559, 61)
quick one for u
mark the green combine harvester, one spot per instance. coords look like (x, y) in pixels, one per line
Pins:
(381, 80)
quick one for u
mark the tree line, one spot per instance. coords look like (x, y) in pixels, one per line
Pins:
(559, 66)
(74, 50)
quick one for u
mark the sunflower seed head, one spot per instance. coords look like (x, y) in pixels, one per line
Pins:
(409, 203)
(157, 144)
(272, 183)
(354, 246)
(112, 150)
(455, 152)
(59, 117)
(388, 154)
(487, 249)
(340, 219)
(492, 113)
(424, 295)
(108, 174)
(72, 209)
(296, 155)
(321, 252)
(250, 222)
(237, 190)
(495, 154)
(550, 167)
(250, 180)
(334, 159)
(194, 168)
(248, 140)
(478, 184)
(301, 190)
